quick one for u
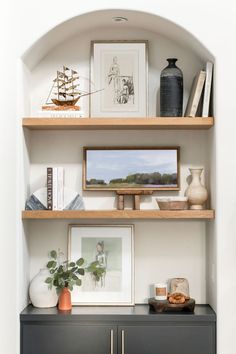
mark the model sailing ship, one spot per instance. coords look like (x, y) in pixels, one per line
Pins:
(65, 92)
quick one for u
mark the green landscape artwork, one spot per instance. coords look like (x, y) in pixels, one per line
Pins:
(126, 168)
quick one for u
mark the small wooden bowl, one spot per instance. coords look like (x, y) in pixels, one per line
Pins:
(172, 204)
(165, 306)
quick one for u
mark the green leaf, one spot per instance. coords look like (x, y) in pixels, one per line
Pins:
(53, 254)
(78, 282)
(74, 277)
(60, 269)
(70, 287)
(80, 262)
(56, 282)
(51, 264)
(61, 282)
(48, 280)
(72, 264)
(80, 271)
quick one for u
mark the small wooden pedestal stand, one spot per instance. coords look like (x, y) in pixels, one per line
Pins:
(136, 194)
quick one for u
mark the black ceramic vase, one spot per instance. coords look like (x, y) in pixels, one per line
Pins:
(171, 90)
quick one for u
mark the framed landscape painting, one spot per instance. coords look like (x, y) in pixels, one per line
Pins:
(119, 74)
(128, 168)
(108, 254)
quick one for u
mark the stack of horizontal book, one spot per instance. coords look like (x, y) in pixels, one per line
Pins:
(68, 113)
(55, 188)
(200, 94)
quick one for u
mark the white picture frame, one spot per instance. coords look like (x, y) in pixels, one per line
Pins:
(112, 247)
(119, 71)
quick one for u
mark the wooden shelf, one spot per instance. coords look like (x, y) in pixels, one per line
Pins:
(118, 214)
(181, 123)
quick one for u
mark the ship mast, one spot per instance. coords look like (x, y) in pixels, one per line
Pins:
(73, 90)
(58, 92)
(64, 73)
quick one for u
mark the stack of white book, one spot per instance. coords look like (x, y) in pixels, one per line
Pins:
(55, 188)
(61, 114)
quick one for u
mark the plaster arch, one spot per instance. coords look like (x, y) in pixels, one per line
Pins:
(103, 18)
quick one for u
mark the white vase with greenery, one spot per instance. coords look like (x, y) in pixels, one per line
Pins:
(40, 294)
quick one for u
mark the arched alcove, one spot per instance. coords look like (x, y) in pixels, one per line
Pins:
(103, 18)
(69, 44)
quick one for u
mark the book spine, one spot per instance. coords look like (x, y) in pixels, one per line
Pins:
(207, 90)
(60, 185)
(56, 114)
(49, 188)
(198, 93)
(54, 189)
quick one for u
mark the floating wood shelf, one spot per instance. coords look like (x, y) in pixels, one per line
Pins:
(119, 214)
(181, 123)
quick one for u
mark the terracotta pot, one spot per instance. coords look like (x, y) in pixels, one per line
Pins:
(64, 303)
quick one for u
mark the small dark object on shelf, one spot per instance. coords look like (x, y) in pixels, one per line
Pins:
(171, 90)
(163, 306)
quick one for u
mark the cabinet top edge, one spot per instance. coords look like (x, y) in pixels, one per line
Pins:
(137, 313)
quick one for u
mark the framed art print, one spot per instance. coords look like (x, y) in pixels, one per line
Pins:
(131, 168)
(108, 254)
(119, 74)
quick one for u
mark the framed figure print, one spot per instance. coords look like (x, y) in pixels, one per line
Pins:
(131, 168)
(108, 254)
(119, 74)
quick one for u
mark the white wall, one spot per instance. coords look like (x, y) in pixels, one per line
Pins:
(211, 22)
(8, 162)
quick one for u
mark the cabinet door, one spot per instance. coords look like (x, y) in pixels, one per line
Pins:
(167, 339)
(68, 339)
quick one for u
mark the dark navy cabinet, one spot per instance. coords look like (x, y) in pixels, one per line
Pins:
(169, 339)
(117, 330)
(68, 339)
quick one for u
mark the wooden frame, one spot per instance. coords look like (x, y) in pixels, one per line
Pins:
(86, 188)
(101, 104)
(117, 258)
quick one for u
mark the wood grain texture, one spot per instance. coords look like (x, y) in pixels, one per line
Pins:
(149, 123)
(134, 192)
(118, 214)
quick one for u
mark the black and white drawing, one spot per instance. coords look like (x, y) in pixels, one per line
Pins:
(119, 70)
(122, 85)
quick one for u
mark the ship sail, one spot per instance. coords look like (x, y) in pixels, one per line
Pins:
(65, 88)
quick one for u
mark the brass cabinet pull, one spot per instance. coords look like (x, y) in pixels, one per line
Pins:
(122, 342)
(112, 341)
